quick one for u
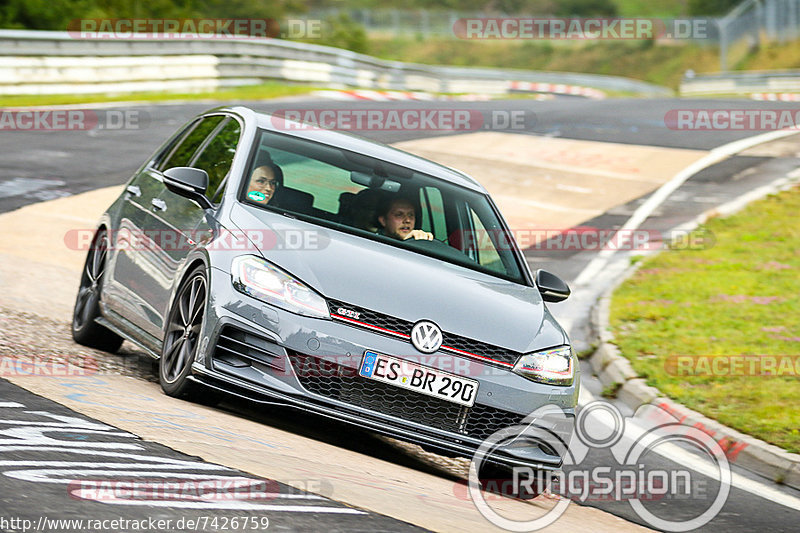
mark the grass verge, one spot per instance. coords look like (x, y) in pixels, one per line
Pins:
(263, 91)
(736, 298)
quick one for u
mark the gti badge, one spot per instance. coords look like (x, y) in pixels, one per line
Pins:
(348, 313)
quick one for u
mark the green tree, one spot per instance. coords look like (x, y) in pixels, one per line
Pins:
(586, 8)
(700, 8)
(343, 32)
(57, 14)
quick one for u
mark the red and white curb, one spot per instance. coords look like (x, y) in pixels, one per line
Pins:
(390, 96)
(776, 97)
(557, 88)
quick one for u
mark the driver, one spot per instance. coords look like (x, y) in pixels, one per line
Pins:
(397, 219)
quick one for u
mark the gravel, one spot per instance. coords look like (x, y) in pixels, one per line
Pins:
(33, 344)
(30, 343)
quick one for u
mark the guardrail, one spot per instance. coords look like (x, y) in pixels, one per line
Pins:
(43, 62)
(741, 83)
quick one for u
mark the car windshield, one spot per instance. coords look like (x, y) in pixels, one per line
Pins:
(381, 201)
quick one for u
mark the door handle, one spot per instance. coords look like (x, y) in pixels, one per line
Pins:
(134, 190)
(158, 204)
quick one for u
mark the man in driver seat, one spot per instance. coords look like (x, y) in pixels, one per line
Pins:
(397, 217)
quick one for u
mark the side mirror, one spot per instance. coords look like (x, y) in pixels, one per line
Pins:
(552, 288)
(190, 183)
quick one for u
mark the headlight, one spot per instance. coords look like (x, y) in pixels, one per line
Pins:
(552, 367)
(258, 278)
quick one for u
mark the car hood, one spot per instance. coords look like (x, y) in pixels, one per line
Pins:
(405, 284)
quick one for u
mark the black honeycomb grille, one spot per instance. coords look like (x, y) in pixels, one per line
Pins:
(373, 318)
(344, 384)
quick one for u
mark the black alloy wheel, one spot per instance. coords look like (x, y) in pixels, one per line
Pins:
(182, 339)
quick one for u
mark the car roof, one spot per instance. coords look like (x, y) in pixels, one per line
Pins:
(361, 145)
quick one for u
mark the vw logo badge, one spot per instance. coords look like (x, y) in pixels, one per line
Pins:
(426, 336)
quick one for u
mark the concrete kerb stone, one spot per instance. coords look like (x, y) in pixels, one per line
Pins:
(614, 371)
(793, 477)
(637, 392)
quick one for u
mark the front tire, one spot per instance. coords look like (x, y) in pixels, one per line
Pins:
(182, 338)
(87, 304)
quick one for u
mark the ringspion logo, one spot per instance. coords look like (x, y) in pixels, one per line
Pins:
(624, 475)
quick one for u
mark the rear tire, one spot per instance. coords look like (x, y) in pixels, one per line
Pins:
(87, 304)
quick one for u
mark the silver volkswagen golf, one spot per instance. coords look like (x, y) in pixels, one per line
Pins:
(285, 263)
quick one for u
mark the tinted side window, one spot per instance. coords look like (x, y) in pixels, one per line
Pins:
(183, 153)
(322, 181)
(217, 157)
(164, 154)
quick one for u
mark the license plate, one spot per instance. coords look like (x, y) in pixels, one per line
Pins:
(418, 378)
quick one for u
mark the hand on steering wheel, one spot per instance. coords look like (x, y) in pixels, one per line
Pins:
(418, 234)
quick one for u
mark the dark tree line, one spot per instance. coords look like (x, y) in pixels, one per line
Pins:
(58, 14)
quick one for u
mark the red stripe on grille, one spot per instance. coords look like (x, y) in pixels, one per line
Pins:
(404, 336)
(370, 326)
(470, 354)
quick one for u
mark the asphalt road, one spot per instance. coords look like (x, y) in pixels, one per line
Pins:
(93, 477)
(43, 165)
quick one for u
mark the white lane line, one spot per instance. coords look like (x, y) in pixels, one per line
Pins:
(682, 457)
(10, 404)
(657, 198)
(634, 430)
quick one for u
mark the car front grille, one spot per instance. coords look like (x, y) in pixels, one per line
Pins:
(342, 383)
(389, 325)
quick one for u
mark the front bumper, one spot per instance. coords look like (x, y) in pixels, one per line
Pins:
(268, 355)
